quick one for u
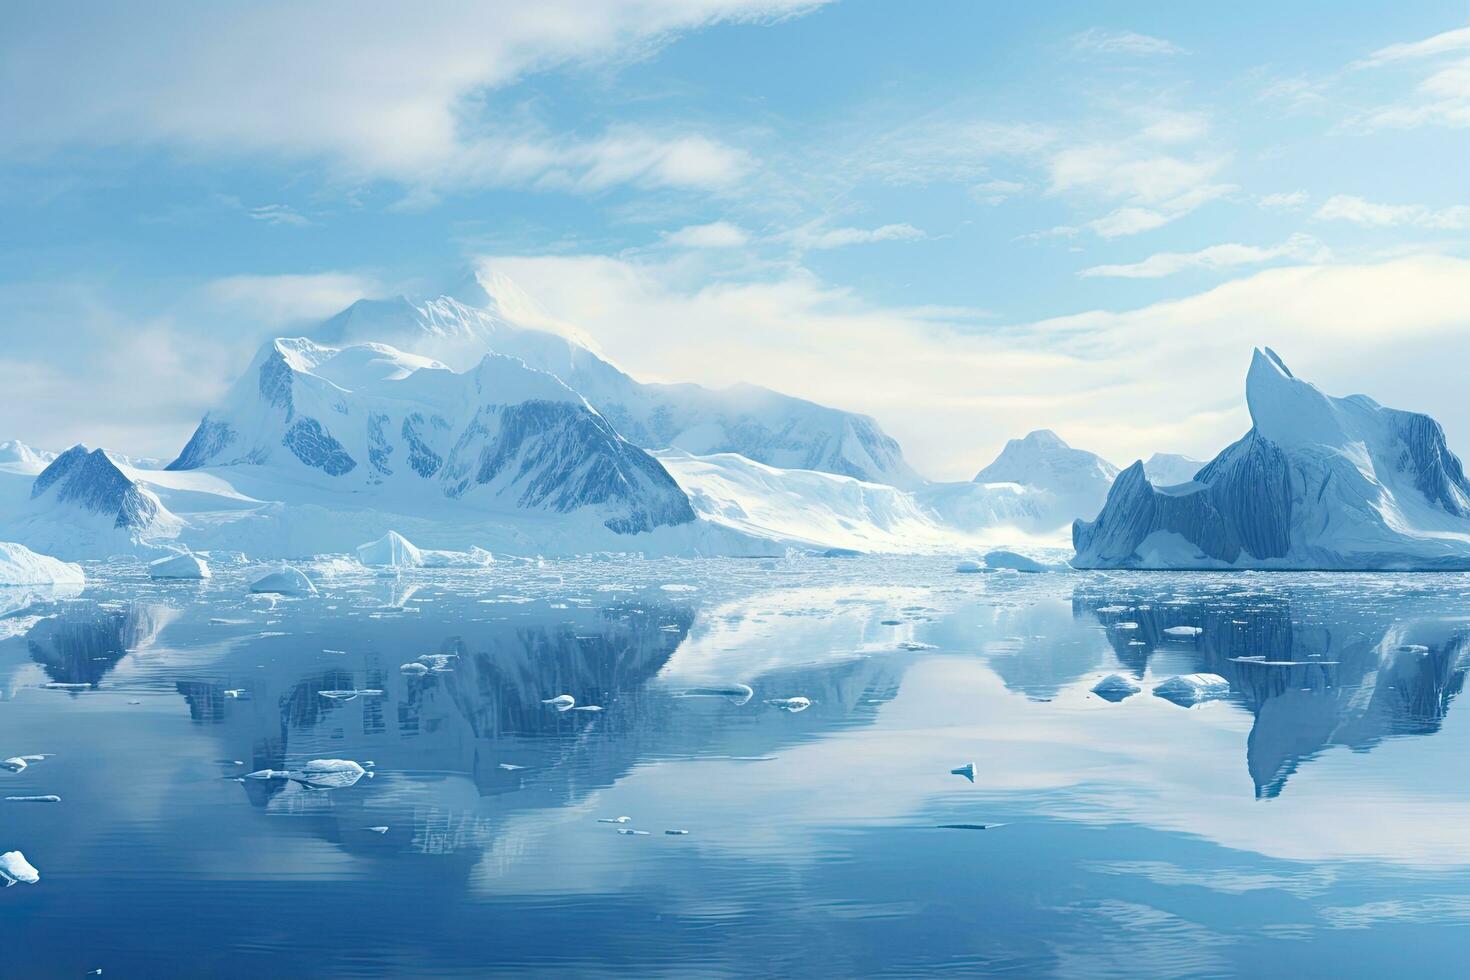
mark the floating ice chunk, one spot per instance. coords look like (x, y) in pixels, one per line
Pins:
(562, 702)
(392, 550)
(967, 770)
(1125, 626)
(1014, 561)
(914, 645)
(238, 694)
(339, 695)
(970, 567)
(588, 707)
(1187, 689)
(970, 826)
(18, 762)
(64, 686)
(439, 662)
(509, 767)
(20, 565)
(1183, 630)
(734, 693)
(614, 819)
(49, 798)
(632, 833)
(792, 705)
(414, 668)
(1115, 687)
(267, 774)
(15, 869)
(284, 581)
(183, 566)
(377, 830)
(677, 833)
(329, 773)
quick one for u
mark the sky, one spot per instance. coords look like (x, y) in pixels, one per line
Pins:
(967, 219)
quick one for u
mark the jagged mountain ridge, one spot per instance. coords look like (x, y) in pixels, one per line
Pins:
(1318, 482)
(370, 418)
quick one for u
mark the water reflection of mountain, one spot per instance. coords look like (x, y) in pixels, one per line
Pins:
(85, 640)
(1315, 671)
(458, 753)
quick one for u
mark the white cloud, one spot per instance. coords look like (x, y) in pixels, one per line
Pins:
(283, 299)
(279, 214)
(1299, 247)
(716, 234)
(1103, 41)
(1284, 200)
(1442, 98)
(1346, 207)
(952, 391)
(995, 191)
(814, 237)
(388, 93)
(1455, 40)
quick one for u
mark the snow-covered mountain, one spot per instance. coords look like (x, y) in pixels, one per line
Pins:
(82, 504)
(766, 426)
(1171, 469)
(1070, 483)
(371, 419)
(13, 452)
(1318, 482)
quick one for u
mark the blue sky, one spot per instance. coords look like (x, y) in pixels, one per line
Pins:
(968, 219)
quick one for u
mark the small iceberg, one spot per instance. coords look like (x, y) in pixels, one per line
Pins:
(48, 798)
(318, 774)
(967, 770)
(184, 566)
(15, 869)
(414, 668)
(1115, 687)
(970, 567)
(614, 819)
(736, 694)
(376, 830)
(18, 762)
(392, 550)
(20, 565)
(562, 702)
(792, 705)
(1183, 631)
(285, 581)
(1014, 561)
(1188, 689)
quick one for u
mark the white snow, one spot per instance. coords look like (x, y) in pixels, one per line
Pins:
(20, 565)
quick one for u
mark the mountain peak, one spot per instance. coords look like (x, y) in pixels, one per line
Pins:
(1286, 409)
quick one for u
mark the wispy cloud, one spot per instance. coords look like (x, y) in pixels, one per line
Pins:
(279, 214)
(1448, 41)
(1441, 98)
(1299, 247)
(1100, 41)
(1370, 214)
(815, 237)
(716, 234)
(191, 77)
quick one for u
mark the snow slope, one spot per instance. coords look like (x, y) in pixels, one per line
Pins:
(755, 422)
(1318, 482)
(1068, 483)
(1171, 469)
(20, 565)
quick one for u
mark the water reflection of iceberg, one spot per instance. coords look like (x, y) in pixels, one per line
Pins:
(458, 753)
(1316, 672)
(85, 640)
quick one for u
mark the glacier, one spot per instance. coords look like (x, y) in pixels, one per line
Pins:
(1318, 482)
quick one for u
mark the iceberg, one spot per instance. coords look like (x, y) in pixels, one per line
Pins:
(392, 550)
(1115, 687)
(286, 581)
(1187, 689)
(20, 565)
(15, 869)
(185, 566)
(1318, 482)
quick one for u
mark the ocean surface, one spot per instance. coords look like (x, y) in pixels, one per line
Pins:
(1313, 821)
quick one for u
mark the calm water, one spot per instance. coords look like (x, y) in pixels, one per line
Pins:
(1314, 822)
